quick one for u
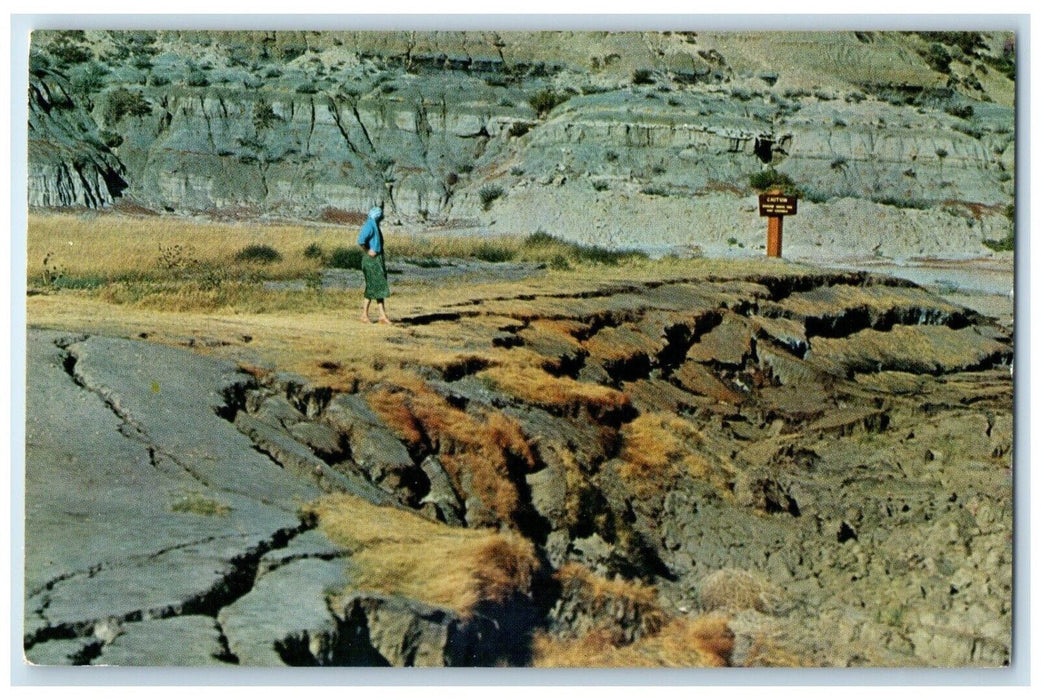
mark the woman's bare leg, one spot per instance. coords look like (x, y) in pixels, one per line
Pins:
(383, 311)
(365, 311)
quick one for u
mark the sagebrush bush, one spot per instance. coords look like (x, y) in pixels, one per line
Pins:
(1001, 244)
(259, 253)
(488, 194)
(737, 589)
(642, 76)
(771, 179)
(493, 253)
(544, 101)
(346, 258)
(124, 103)
(196, 78)
(519, 128)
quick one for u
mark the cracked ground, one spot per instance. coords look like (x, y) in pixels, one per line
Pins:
(845, 437)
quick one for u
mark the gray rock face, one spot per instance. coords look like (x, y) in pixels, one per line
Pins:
(442, 494)
(399, 632)
(374, 448)
(189, 640)
(69, 165)
(143, 506)
(158, 534)
(285, 606)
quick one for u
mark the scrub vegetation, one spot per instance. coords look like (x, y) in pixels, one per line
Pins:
(400, 553)
(255, 267)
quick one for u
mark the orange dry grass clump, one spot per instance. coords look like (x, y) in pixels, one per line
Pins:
(397, 552)
(682, 643)
(534, 385)
(658, 447)
(476, 451)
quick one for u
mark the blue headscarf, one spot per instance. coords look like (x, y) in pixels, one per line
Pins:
(375, 213)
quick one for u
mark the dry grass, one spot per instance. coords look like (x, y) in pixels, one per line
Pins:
(659, 447)
(116, 246)
(477, 451)
(736, 589)
(534, 385)
(396, 552)
(630, 603)
(699, 643)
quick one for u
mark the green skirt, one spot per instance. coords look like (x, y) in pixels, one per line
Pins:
(375, 272)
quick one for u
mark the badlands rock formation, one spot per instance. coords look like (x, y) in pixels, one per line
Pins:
(612, 138)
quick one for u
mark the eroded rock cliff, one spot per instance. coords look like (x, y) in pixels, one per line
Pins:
(512, 131)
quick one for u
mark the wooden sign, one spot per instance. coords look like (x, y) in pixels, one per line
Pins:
(771, 204)
(776, 206)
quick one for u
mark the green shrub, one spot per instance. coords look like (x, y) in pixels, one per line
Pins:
(560, 253)
(346, 258)
(313, 251)
(68, 49)
(110, 138)
(196, 78)
(604, 256)
(488, 194)
(258, 253)
(938, 58)
(541, 238)
(559, 262)
(968, 42)
(642, 76)
(544, 101)
(123, 103)
(519, 128)
(1002, 244)
(493, 253)
(655, 191)
(963, 112)
(765, 180)
(263, 115)
(1005, 64)
(89, 78)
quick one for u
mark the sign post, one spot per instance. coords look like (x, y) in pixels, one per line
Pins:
(776, 206)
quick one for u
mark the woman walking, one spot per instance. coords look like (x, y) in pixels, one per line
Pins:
(373, 266)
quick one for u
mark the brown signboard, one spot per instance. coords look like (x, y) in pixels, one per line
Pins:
(777, 205)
